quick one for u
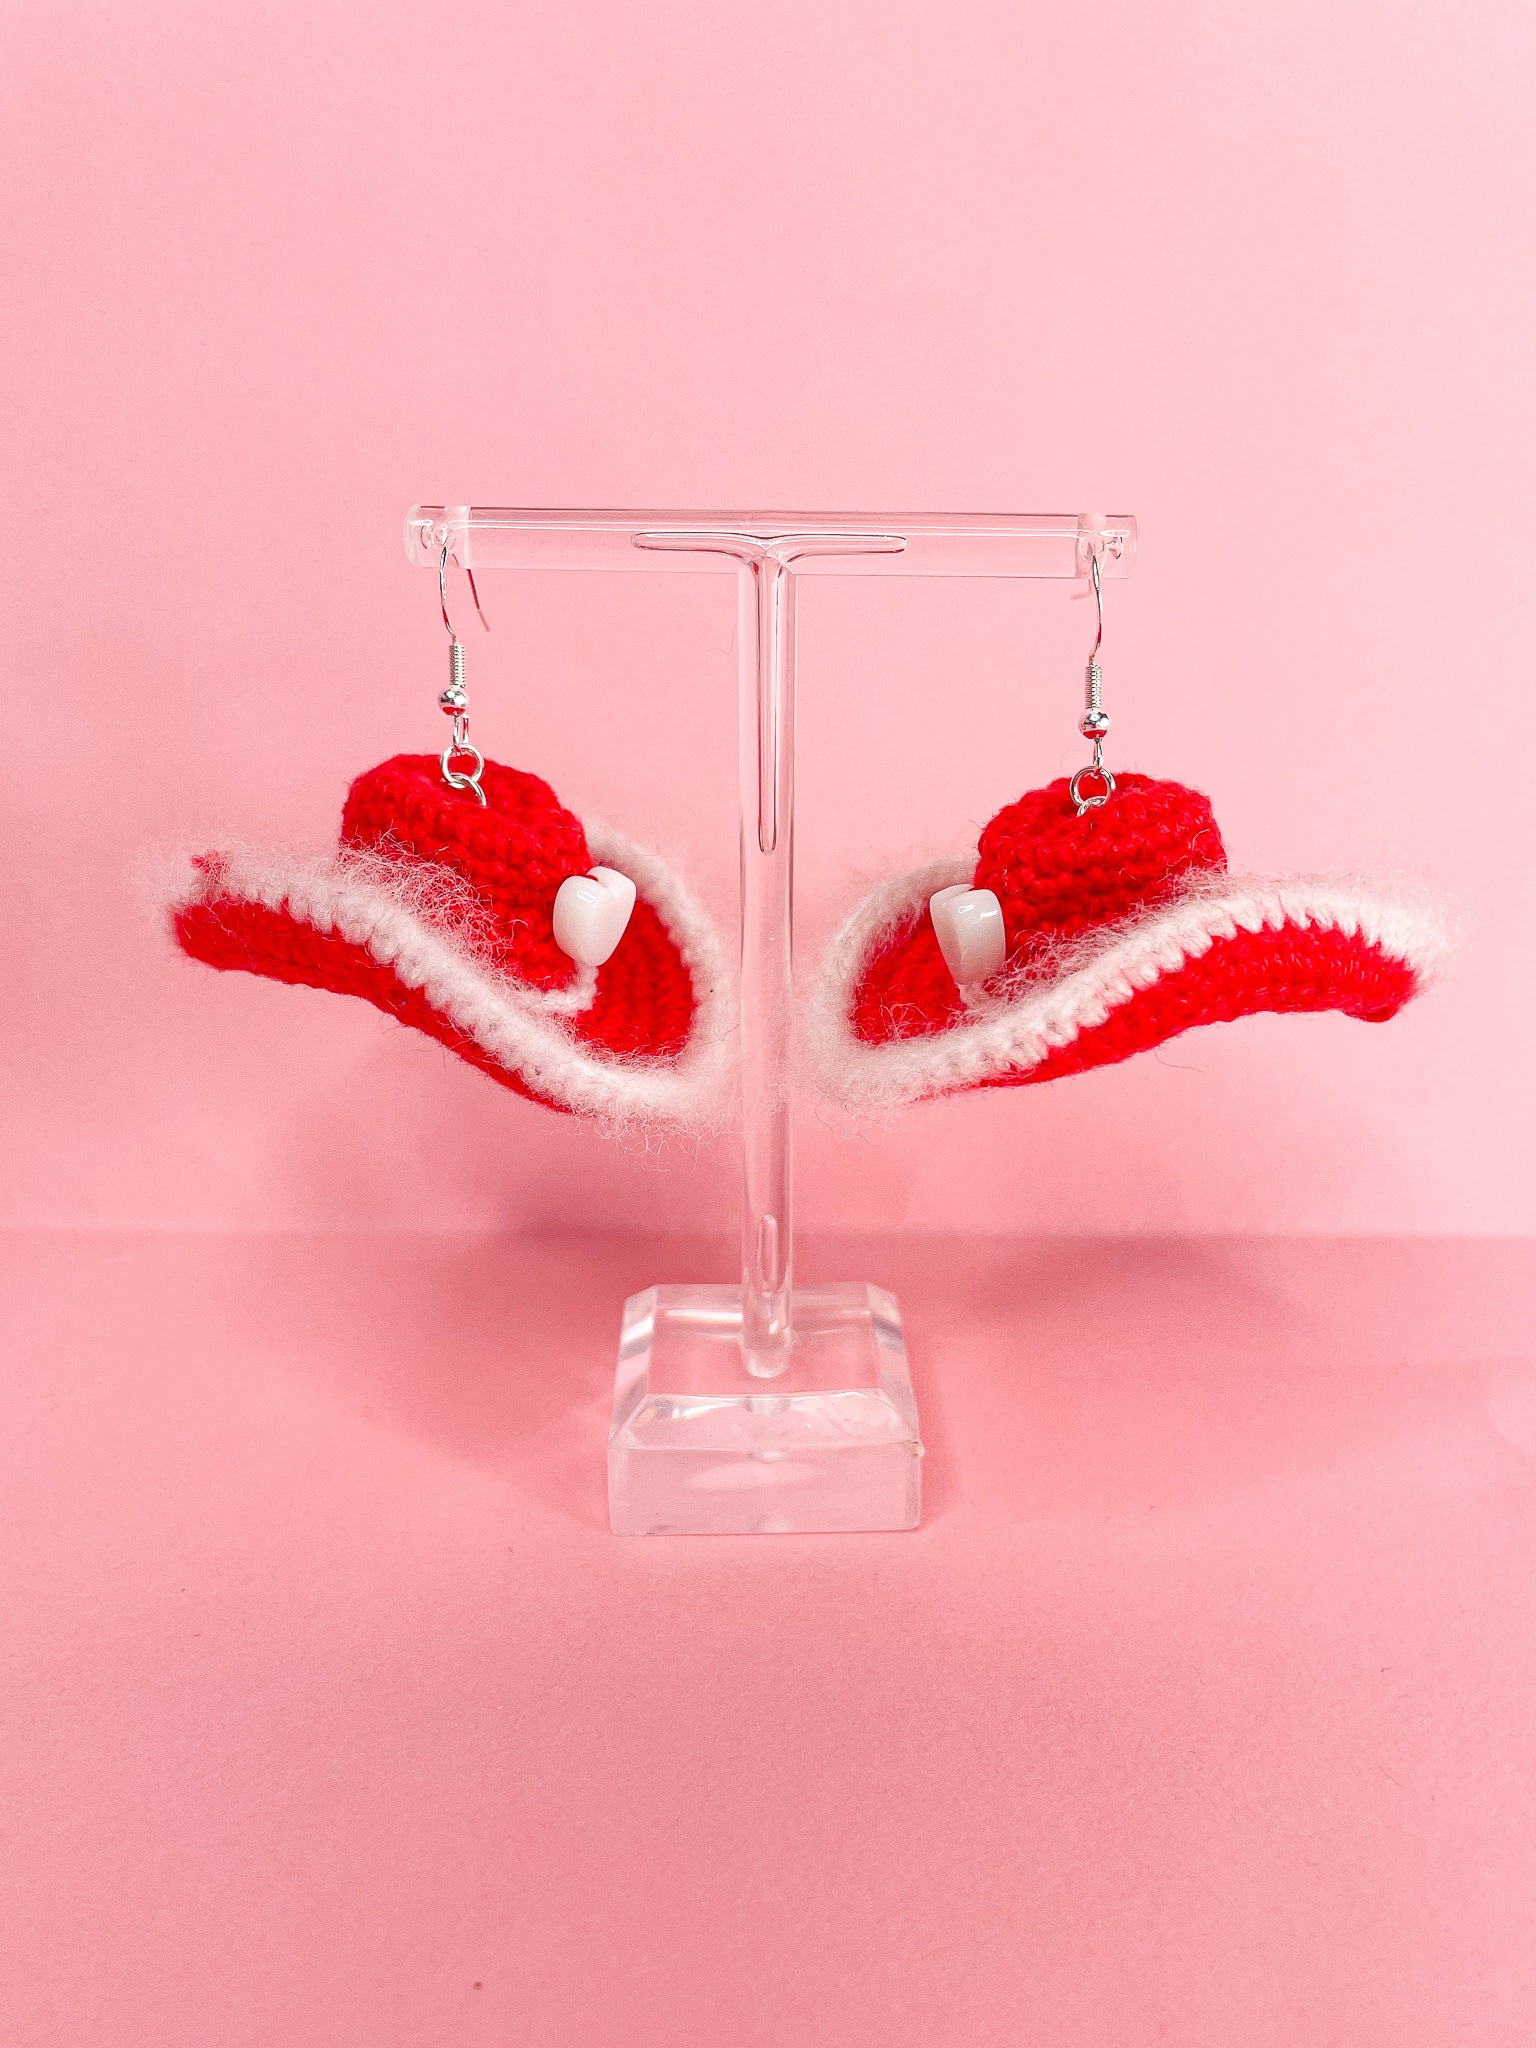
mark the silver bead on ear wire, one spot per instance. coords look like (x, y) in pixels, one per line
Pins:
(1094, 723)
(454, 701)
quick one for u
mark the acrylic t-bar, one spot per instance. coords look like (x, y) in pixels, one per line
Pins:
(769, 552)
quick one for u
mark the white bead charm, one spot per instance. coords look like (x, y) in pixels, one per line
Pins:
(592, 914)
(969, 926)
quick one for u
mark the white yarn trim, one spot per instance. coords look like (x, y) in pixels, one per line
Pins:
(1013, 1024)
(388, 911)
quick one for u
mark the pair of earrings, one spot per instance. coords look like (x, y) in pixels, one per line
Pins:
(1096, 919)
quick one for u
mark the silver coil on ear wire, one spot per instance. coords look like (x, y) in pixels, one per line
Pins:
(1094, 723)
(454, 701)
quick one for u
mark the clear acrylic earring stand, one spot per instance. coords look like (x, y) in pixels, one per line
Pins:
(767, 1407)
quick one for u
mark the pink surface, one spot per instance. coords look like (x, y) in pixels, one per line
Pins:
(1199, 1711)
(1262, 274)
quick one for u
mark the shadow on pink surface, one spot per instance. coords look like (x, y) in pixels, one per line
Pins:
(1199, 1709)
(1058, 1378)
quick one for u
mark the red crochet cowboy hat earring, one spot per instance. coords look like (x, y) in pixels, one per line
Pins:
(466, 900)
(1098, 919)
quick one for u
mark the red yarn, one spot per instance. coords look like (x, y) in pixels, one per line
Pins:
(1062, 877)
(1055, 873)
(514, 852)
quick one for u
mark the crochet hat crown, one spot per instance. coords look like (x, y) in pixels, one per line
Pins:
(1057, 873)
(513, 851)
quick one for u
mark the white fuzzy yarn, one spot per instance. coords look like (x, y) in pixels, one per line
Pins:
(425, 924)
(1014, 1021)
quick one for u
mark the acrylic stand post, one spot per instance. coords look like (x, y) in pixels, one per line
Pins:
(767, 1407)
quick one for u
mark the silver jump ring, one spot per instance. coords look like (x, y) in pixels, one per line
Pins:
(1091, 803)
(453, 777)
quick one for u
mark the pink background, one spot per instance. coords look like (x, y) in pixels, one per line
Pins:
(1260, 274)
(1200, 1708)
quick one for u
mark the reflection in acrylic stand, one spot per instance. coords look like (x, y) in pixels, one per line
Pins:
(767, 1407)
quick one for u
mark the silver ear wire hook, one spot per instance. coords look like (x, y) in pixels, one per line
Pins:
(455, 699)
(442, 593)
(1094, 723)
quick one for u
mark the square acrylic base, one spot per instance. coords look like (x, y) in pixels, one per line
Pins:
(698, 1447)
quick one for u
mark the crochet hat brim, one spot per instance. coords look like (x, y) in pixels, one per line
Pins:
(1223, 948)
(642, 1038)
